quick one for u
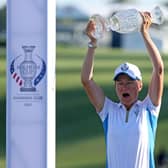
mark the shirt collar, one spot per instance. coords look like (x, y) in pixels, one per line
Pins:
(120, 105)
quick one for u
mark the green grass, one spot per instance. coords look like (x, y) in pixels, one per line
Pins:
(2, 106)
(2, 162)
(80, 139)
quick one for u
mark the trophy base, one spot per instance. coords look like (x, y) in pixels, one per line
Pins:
(27, 89)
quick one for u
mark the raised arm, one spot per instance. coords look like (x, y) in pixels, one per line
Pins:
(156, 84)
(94, 92)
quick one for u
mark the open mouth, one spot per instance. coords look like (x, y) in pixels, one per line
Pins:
(125, 95)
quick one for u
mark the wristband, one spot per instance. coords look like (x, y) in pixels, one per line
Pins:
(91, 45)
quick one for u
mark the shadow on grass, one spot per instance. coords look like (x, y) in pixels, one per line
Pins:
(76, 118)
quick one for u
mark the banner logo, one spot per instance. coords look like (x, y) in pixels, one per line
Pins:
(28, 70)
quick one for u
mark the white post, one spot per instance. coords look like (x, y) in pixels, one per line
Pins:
(30, 93)
(51, 109)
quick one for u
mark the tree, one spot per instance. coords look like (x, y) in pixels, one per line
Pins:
(3, 18)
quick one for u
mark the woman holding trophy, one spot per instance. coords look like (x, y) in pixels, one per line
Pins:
(129, 125)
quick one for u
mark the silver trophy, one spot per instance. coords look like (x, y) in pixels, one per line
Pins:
(28, 69)
(124, 21)
(130, 20)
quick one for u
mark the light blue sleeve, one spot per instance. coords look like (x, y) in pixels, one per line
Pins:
(105, 110)
(154, 110)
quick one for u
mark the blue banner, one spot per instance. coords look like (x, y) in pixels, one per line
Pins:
(26, 83)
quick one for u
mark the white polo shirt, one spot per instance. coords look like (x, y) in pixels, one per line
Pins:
(130, 144)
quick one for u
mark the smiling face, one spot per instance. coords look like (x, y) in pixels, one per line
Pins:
(127, 90)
